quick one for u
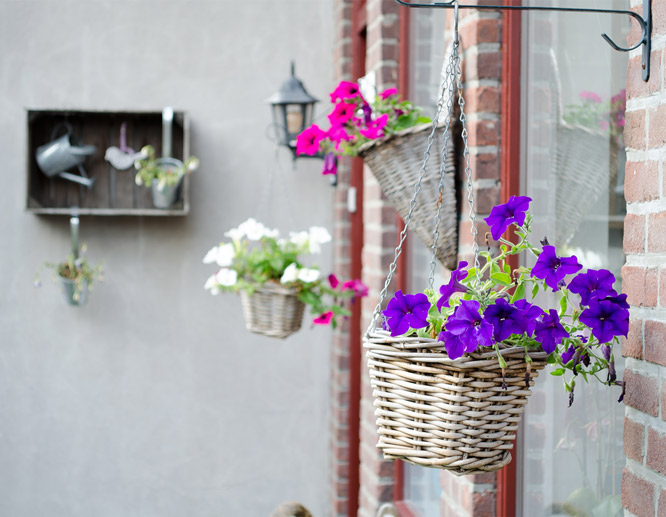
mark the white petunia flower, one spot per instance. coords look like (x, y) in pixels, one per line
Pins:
(211, 284)
(273, 234)
(253, 229)
(225, 255)
(226, 277)
(308, 275)
(290, 274)
(211, 256)
(318, 235)
(300, 238)
(235, 234)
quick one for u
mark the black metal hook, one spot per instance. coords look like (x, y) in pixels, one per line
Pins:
(644, 21)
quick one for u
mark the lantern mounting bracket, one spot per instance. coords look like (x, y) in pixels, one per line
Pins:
(644, 21)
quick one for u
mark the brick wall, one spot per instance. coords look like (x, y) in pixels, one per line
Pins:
(644, 280)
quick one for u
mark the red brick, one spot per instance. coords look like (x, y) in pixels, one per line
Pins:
(634, 129)
(656, 239)
(633, 440)
(657, 127)
(633, 345)
(641, 181)
(663, 400)
(634, 234)
(658, 18)
(655, 458)
(636, 86)
(484, 99)
(640, 285)
(637, 494)
(655, 342)
(483, 504)
(486, 198)
(484, 65)
(641, 392)
(483, 132)
(482, 30)
(484, 165)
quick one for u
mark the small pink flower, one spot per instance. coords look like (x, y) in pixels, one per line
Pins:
(590, 96)
(342, 112)
(388, 92)
(324, 319)
(308, 141)
(374, 129)
(359, 288)
(333, 280)
(345, 90)
(338, 134)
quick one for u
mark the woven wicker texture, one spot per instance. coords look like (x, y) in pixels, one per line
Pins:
(396, 162)
(436, 412)
(273, 311)
(584, 166)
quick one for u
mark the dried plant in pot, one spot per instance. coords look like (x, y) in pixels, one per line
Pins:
(75, 276)
(273, 280)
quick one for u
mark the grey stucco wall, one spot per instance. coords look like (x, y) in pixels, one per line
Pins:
(153, 399)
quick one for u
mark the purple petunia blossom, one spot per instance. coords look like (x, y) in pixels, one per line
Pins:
(549, 331)
(454, 286)
(406, 311)
(531, 312)
(620, 299)
(593, 284)
(330, 164)
(502, 216)
(606, 319)
(568, 355)
(606, 351)
(552, 269)
(505, 319)
(466, 330)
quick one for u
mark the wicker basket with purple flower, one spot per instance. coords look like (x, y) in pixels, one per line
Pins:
(451, 371)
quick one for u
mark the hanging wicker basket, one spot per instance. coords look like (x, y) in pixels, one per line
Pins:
(396, 162)
(273, 311)
(450, 414)
(584, 167)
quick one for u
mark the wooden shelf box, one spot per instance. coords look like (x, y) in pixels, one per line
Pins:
(114, 192)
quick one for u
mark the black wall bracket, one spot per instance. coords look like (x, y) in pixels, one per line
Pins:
(644, 21)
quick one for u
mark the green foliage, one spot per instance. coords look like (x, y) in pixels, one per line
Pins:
(152, 168)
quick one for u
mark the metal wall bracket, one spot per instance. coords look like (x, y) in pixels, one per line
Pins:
(644, 21)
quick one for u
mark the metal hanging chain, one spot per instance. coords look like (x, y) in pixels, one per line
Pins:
(268, 191)
(448, 85)
(417, 187)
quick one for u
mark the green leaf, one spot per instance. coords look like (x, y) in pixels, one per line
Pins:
(563, 305)
(535, 290)
(501, 278)
(519, 293)
(494, 268)
(507, 268)
(558, 372)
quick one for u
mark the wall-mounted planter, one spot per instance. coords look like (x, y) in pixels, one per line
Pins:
(114, 192)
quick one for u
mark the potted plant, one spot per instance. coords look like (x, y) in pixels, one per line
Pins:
(390, 135)
(163, 175)
(451, 371)
(76, 277)
(273, 280)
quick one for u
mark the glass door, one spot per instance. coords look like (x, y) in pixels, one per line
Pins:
(573, 160)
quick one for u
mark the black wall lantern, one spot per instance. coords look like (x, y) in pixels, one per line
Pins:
(292, 110)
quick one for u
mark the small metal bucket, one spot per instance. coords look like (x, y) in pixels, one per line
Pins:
(167, 195)
(69, 292)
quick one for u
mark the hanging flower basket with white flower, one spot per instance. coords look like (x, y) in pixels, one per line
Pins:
(273, 281)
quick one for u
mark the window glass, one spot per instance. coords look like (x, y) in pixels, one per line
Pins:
(573, 169)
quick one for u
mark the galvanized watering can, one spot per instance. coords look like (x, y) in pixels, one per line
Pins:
(61, 154)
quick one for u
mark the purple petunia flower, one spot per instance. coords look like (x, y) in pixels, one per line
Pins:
(606, 351)
(606, 319)
(454, 286)
(531, 312)
(406, 311)
(549, 331)
(330, 164)
(552, 269)
(568, 355)
(593, 284)
(620, 299)
(502, 216)
(505, 319)
(466, 330)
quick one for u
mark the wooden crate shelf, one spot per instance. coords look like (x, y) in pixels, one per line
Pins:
(114, 192)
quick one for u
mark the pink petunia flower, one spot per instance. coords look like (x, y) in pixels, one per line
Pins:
(324, 319)
(333, 281)
(345, 90)
(590, 96)
(374, 129)
(338, 134)
(309, 140)
(342, 112)
(388, 92)
(359, 288)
